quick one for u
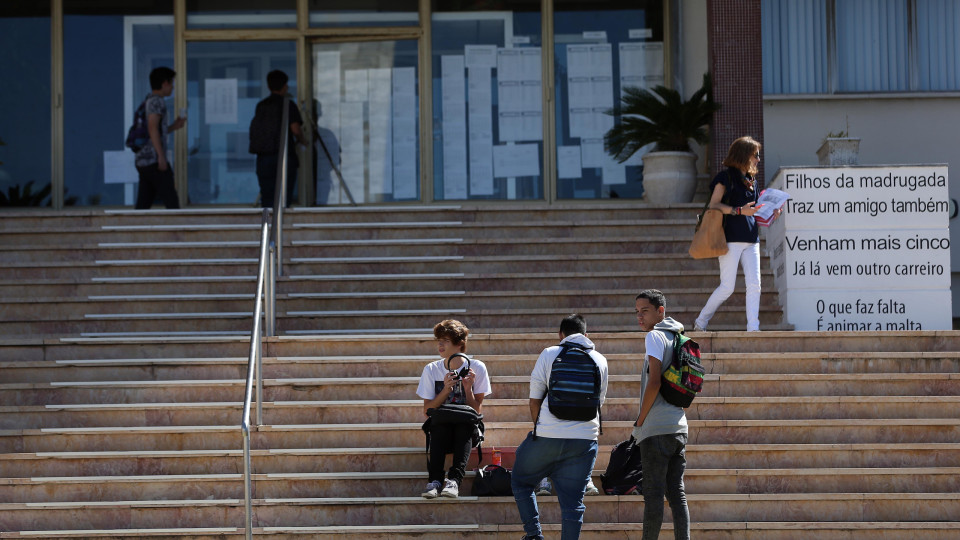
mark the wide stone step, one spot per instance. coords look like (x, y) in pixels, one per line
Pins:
(503, 410)
(504, 387)
(497, 434)
(307, 512)
(225, 367)
(359, 320)
(39, 308)
(720, 530)
(398, 459)
(404, 484)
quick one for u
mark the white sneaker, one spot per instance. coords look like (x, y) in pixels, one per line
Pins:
(591, 489)
(698, 328)
(431, 491)
(450, 490)
(544, 488)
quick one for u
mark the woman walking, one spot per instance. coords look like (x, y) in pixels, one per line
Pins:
(734, 193)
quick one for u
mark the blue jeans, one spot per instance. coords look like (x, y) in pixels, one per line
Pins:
(664, 459)
(568, 463)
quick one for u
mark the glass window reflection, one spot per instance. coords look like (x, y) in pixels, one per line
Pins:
(224, 82)
(600, 48)
(487, 102)
(25, 104)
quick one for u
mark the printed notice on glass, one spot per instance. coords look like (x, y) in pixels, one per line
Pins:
(454, 111)
(519, 94)
(568, 162)
(380, 162)
(352, 148)
(326, 89)
(355, 85)
(404, 122)
(512, 160)
(119, 167)
(480, 120)
(641, 65)
(220, 101)
(589, 89)
(480, 56)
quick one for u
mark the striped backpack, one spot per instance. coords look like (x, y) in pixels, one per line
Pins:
(682, 380)
(573, 391)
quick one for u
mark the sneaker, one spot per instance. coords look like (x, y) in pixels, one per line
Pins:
(431, 491)
(591, 489)
(450, 490)
(698, 328)
(544, 488)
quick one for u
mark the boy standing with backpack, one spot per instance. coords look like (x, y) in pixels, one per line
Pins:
(563, 443)
(661, 427)
(156, 176)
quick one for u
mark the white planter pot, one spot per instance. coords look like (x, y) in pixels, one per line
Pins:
(839, 151)
(669, 177)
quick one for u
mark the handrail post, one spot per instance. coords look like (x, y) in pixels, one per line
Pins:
(280, 192)
(271, 291)
(247, 485)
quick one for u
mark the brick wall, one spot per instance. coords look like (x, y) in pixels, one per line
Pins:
(733, 29)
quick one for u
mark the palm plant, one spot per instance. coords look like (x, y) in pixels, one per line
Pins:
(661, 117)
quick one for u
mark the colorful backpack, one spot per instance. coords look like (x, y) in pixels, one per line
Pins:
(682, 380)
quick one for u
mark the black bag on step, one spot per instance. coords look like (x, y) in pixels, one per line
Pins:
(623, 475)
(492, 481)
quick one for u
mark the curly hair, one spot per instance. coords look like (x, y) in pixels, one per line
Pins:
(453, 330)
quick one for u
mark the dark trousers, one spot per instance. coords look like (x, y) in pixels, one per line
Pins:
(444, 439)
(664, 460)
(156, 183)
(267, 178)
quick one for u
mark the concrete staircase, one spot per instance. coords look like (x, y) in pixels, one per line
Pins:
(353, 270)
(122, 355)
(845, 435)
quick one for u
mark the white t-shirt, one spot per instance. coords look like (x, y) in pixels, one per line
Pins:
(431, 381)
(549, 425)
(663, 418)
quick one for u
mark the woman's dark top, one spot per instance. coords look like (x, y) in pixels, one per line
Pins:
(737, 228)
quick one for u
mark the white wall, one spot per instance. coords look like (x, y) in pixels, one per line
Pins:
(694, 57)
(902, 130)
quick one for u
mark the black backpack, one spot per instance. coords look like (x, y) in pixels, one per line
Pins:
(623, 475)
(573, 391)
(138, 135)
(492, 481)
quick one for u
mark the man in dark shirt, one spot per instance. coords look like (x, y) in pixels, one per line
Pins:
(265, 138)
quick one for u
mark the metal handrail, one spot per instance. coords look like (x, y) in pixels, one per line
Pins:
(280, 193)
(265, 288)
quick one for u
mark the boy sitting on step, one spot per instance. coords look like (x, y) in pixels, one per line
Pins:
(442, 382)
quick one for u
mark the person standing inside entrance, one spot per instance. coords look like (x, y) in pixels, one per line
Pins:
(156, 176)
(265, 138)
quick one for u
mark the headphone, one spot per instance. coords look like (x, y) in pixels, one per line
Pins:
(463, 371)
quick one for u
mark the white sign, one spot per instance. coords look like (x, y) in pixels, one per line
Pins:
(119, 167)
(220, 101)
(863, 248)
(510, 160)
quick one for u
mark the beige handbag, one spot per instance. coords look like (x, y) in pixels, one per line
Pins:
(709, 240)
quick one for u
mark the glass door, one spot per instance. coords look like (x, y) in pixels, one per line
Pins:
(366, 109)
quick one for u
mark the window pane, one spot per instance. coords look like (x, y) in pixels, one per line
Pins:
(872, 46)
(601, 47)
(365, 97)
(794, 46)
(25, 104)
(487, 101)
(225, 80)
(938, 44)
(241, 13)
(341, 13)
(102, 88)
